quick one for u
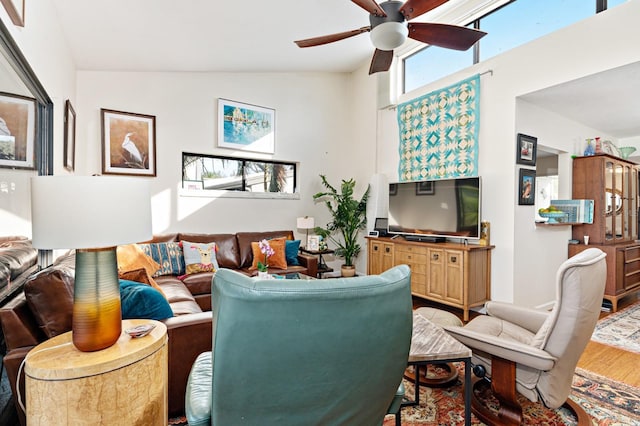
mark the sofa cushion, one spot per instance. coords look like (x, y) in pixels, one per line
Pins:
(276, 260)
(17, 257)
(199, 257)
(246, 238)
(168, 255)
(49, 294)
(179, 297)
(228, 253)
(139, 300)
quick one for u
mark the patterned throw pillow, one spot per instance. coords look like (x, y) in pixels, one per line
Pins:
(199, 257)
(168, 255)
(131, 257)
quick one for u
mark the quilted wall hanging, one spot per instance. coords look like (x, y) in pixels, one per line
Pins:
(439, 133)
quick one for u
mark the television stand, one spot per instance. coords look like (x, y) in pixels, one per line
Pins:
(425, 238)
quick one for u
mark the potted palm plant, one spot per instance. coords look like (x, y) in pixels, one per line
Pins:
(348, 219)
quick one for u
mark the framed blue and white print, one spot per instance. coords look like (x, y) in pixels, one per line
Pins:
(246, 127)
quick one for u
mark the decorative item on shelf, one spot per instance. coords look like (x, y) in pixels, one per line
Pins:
(322, 245)
(598, 147)
(92, 215)
(313, 242)
(626, 151)
(306, 223)
(348, 219)
(590, 149)
(485, 233)
(553, 215)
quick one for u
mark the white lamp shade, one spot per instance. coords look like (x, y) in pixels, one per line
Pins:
(305, 223)
(389, 35)
(84, 212)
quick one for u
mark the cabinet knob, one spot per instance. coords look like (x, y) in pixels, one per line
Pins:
(387, 249)
(454, 259)
(435, 256)
(375, 248)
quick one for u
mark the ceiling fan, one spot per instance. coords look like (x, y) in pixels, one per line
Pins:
(390, 28)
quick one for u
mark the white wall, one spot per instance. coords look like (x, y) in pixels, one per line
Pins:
(317, 125)
(42, 43)
(602, 42)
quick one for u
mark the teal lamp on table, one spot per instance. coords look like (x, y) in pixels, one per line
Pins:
(92, 214)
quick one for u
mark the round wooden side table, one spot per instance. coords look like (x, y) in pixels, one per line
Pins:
(123, 384)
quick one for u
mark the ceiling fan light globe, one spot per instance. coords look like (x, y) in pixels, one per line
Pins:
(389, 35)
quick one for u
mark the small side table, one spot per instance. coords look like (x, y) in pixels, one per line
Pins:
(322, 265)
(123, 384)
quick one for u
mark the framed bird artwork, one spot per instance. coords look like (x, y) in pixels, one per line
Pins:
(128, 143)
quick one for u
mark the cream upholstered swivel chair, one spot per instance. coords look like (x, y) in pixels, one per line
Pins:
(303, 352)
(536, 352)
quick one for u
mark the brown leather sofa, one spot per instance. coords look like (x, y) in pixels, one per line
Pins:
(18, 260)
(44, 309)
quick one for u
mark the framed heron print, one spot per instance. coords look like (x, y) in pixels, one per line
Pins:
(246, 127)
(128, 143)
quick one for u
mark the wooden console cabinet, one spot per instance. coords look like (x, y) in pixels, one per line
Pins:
(612, 184)
(452, 274)
(623, 269)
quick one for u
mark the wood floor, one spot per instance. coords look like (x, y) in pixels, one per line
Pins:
(613, 362)
(604, 360)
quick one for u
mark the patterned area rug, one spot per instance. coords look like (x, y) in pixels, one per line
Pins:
(621, 329)
(609, 403)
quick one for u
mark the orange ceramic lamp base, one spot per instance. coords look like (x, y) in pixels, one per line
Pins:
(97, 317)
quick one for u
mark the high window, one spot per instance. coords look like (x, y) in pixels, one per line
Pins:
(509, 26)
(212, 172)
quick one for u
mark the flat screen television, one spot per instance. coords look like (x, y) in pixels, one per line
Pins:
(433, 210)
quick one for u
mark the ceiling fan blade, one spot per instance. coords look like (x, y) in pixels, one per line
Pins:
(370, 6)
(381, 61)
(317, 41)
(414, 8)
(445, 35)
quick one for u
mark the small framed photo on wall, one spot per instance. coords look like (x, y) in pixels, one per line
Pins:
(527, 187)
(526, 149)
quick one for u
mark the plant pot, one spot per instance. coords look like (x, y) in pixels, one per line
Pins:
(348, 271)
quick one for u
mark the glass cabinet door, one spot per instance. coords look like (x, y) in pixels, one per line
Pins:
(618, 221)
(626, 198)
(608, 201)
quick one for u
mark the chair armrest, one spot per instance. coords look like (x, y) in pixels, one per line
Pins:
(197, 398)
(527, 318)
(507, 349)
(310, 262)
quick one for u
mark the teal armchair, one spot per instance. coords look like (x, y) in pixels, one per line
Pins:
(298, 352)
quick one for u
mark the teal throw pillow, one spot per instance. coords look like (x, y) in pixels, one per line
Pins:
(168, 255)
(291, 252)
(143, 301)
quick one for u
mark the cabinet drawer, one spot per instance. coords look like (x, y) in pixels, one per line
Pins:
(631, 254)
(412, 249)
(410, 258)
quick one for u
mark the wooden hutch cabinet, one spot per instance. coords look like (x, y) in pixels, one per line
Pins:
(452, 274)
(612, 184)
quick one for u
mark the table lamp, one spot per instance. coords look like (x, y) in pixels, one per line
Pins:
(307, 223)
(92, 214)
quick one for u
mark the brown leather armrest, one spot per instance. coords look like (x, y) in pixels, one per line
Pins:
(189, 336)
(310, 262)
